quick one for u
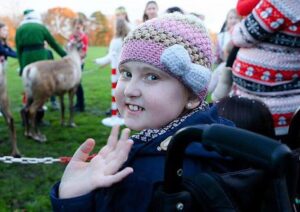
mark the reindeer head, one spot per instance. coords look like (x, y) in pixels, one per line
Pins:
(73, 46)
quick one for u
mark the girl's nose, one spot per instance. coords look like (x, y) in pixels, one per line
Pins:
(132, 89)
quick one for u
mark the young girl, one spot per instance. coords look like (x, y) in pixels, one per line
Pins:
(165, 69)
(223, 47)
(114, 51)
(80, 39)
(5, 50)
(121, 13)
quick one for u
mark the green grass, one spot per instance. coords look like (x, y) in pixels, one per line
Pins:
(26, 187)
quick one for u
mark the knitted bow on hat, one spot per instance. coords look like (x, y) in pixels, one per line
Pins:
(177, 60)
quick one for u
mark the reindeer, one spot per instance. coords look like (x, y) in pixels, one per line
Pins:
(4, 108)
(43, 79)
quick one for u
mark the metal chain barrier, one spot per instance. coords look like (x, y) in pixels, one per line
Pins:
(26, 160)
(45, 160)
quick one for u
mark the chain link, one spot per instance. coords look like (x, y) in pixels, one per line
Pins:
(27, 160)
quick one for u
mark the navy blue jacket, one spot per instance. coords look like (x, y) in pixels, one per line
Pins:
(6, 51)
(147, 159)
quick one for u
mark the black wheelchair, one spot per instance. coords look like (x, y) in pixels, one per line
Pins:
(270, 182)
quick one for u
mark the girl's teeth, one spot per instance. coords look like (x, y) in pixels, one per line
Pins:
(134, 107)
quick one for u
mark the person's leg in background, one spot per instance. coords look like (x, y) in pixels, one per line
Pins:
(54, 105)
(80, 105)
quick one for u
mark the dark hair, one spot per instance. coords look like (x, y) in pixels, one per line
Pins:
(78, 21)
(174, 9)
(223, 28)
(1, 26)
(249, 114)
(121, 28)
(145, 16)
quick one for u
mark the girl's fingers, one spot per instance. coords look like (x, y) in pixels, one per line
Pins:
(111, 141)
(119, 157)
(82, 153)
(125, 134)
(119, 176)
(124, 144)
(122, 147)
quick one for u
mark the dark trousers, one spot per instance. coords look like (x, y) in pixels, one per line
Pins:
(52, 99)
(80, 96)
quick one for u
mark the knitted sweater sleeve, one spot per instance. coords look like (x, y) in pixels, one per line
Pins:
(266, 19)
(7, 51)
(111, 57)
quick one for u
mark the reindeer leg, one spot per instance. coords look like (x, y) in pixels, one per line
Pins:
(4, 107)
(25, 117)
(12, 131)
(62, 110)
(71, 108)
(35, 133)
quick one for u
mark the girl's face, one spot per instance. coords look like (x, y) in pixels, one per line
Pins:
(148, 97)
(78, 27)
(151, 10)
(121, 16)
(4, 32)
(232, 19)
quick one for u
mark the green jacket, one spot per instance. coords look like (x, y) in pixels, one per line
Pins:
(30, 38)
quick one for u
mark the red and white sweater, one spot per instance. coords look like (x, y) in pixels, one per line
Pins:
(268, 63)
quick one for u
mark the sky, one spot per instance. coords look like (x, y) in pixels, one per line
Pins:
(214, 10)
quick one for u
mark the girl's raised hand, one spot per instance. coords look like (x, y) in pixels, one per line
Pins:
(81, 177)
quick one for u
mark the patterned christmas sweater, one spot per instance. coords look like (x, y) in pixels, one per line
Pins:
(268, 63)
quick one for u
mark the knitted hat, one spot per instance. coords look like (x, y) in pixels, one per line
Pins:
(175, 43)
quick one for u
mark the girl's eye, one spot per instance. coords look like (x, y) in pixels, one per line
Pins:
(151, 77)
(125, 74)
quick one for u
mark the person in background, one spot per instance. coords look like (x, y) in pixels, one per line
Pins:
(248, 114)
(80, 40)
(151, 11)
(121, 13)
(224, 79)
(5, 49)
(267, 66)
(224, 37)
(157, 94)
(223, 48)
(114, 50)
(30, 40)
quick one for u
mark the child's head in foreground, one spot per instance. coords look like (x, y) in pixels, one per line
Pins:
(165, 69)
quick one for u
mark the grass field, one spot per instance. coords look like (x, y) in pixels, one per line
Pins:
(26, 187)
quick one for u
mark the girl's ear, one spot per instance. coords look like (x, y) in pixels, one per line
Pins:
(192, 102)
